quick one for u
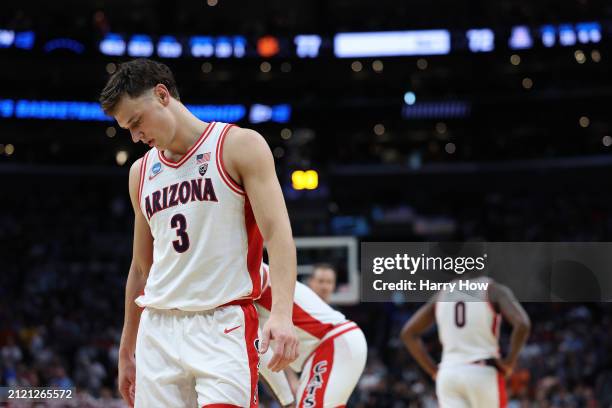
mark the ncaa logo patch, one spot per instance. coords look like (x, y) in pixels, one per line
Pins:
(203, 169)
(155, 170)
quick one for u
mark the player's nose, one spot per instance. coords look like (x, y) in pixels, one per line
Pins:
(136, 136)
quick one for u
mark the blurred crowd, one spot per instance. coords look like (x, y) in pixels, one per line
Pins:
(66, 253)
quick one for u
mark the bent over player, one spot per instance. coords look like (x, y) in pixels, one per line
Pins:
(472, 370)
(201, 196)
(333, 352)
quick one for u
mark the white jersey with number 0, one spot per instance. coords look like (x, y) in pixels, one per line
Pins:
(468, 326)
(207, 247)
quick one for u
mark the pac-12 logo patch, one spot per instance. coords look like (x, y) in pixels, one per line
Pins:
(155, 170)
(203, 169)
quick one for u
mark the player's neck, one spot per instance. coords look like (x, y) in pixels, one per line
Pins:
(188, 131)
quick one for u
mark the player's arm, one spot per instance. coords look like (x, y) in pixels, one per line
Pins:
(513, 312)
(142, 258)
(249, 159)
(419, 323)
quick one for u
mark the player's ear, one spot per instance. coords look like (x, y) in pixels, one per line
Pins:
(162, 94)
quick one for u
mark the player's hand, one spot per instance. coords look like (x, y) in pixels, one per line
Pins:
(127, 378)
(506, 366)
(280, 329)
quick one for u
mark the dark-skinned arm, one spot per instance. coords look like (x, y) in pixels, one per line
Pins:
(503, 299)
(411, 334)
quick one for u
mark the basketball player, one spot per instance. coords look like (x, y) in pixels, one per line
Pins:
(323, 281)
(332, 350)
(472, 371)
(201, 196)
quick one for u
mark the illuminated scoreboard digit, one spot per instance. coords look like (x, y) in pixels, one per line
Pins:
(521, 38)
(140, 45)
(219, 47)
(169, 47)
(481, 40)
(307, 46)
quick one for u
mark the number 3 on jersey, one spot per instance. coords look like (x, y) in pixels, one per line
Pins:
(179, 222)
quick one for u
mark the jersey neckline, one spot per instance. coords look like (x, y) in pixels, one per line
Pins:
(192, 149)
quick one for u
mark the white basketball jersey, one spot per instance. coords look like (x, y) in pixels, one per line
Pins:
(468, 326)
(314, 319)
(207, 248)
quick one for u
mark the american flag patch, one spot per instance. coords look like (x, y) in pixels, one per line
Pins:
(203, 158)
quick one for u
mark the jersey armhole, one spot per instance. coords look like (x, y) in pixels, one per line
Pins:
(143, 170)
(227, 179)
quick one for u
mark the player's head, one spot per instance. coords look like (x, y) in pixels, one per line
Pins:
(139, 95)
(323, 280)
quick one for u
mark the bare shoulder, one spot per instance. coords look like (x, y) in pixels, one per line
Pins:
(134, 179)
(245, 151)
(135, 168)
(243, 140)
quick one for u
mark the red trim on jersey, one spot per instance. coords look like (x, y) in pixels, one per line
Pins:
(308, 323)
(254, 249)
(191, 150)
(265, 299)
(343, 324)
(227, 179)
(143, 170)
(238, 302)
(495, 323)
(301, 318)
(325, 352)
(501, 390)
(251, 324)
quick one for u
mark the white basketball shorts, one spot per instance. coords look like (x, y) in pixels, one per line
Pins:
(197, 359)
(470, 386)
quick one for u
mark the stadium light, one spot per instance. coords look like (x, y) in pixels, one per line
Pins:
(392, 43)
(481, 40)
(305, 180)
(112, 44)
(521, 38)
(409, 98)
(169, 47)
(307, 46)
(140, 45)
(268, 46)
